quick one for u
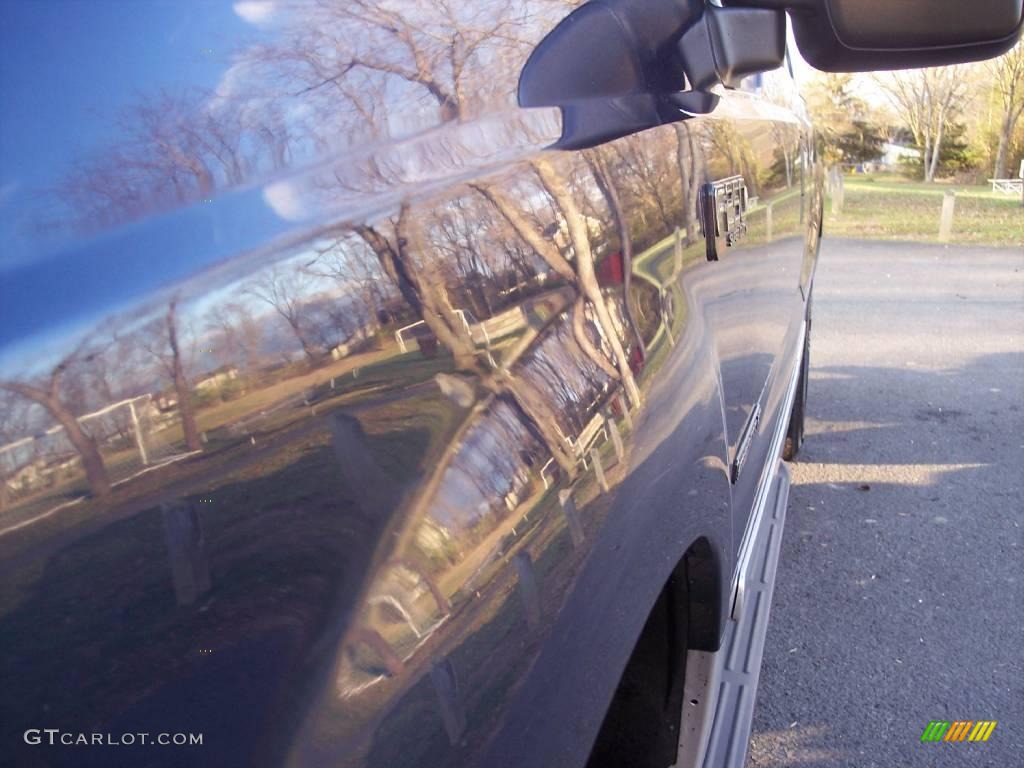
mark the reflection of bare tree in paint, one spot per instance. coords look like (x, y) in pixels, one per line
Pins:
(161, 340)
(48, 393)
(732, 148)
(580, 274)
(642, 160)
(586, 278)
(353, 48)
(419, 285)
(173, 148)
(344, 260)
(284, 291)
(565, 375)
(238, 334)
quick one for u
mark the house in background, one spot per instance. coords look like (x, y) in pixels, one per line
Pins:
(216, 379)
(893, 157)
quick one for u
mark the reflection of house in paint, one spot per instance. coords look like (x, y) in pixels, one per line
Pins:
(41, 473)
(893, 154)
(355, 343)
(216, 379)
(433, 538)
(165, 401)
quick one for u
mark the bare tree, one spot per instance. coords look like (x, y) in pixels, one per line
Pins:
(343, 261)
(285, 293)
(49, 395)
(689, 161)
(170, 151)
(1007, 75)
(521, 224)
(420, 285)
(531, 234)
(731, 147)
(436, 52)
(239, 334)
(585, 275)
(173, 148)
(160, 339)
(927, 100)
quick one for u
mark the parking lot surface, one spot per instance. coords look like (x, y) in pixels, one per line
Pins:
(899, 597)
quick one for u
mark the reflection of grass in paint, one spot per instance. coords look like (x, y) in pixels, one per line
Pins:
(212, 419)
(657, 263)
(388, 375)
(658, 354)
(489, 666)
(394, 373)
(280, 534)
(646, 263)
(108, 596)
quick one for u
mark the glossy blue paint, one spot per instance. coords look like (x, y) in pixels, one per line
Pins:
(410, 424)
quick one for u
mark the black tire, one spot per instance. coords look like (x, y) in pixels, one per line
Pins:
(795, 432)
(641, 727)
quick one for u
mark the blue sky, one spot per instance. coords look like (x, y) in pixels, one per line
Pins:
(69, 67)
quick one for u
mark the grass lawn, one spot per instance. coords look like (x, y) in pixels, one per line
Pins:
(282, 529)
(888, 207)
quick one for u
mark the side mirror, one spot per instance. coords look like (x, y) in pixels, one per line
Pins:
(863, 35)
(616, 67)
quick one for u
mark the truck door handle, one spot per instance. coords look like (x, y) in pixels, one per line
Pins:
(721, 209)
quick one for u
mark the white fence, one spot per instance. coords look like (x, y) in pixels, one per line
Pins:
(132, 436)
(476, 331)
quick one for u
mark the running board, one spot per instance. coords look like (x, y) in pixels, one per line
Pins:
(731, 674)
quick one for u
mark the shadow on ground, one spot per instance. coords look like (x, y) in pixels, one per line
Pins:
(899, 598)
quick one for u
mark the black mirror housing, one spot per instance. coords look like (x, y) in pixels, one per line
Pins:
(864, 35)
(732, 44)
(616, 67)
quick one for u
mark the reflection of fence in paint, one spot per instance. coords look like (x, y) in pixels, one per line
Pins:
(132, 435)
(584, 445)
(482, 333)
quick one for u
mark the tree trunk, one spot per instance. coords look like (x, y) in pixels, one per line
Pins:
(926, 158)
(85, 445)
(585, 271)
(181, 388)
(611, 196)
(307, 348)
(425, 294)
(698, 171)
(579, 332)
(936, 148)
(689, 211)
(1005, 131)
(514, 216)
(540, 420)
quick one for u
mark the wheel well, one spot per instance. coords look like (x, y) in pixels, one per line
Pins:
(641, 727)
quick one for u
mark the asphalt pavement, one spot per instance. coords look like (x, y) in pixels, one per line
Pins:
(899, 598)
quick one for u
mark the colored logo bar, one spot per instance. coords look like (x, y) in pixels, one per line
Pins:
(958, 730)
